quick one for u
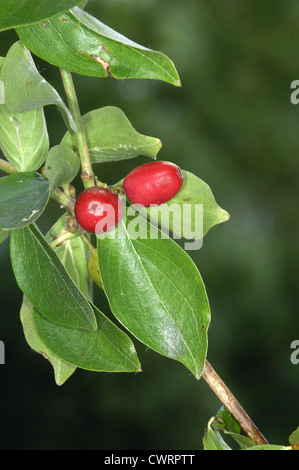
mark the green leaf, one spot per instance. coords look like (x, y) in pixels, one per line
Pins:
(25, 88)
(23, 198)
(45, 282)
(194, 192)
(155, 290)
(224, 423)
(62, 370)
(88, 47)
(190, 214)
(224, 420)
(24, 138)
(111, 137)
(23, 12)
(61, 167)
(73, 254)
(213, 439)
(106, 350)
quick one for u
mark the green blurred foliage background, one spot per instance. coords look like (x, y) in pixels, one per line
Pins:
(233, 125)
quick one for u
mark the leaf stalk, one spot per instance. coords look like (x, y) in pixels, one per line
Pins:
(7, 167)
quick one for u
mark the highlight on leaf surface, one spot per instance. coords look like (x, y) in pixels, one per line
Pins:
(156, 292)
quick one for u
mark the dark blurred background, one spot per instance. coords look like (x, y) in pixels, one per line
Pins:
(233, 125)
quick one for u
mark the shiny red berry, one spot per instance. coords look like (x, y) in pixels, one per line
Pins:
(153, 183)
(98, 210)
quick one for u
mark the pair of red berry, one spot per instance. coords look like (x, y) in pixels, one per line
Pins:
(100, 210)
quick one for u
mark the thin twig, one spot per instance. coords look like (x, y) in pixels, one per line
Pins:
(232, 405)
(87, 175)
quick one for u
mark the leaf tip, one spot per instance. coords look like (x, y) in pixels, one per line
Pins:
(198, 375)
(226, 215)
(222, 216)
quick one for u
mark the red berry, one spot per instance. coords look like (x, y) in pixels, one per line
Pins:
(153, 183)
(98, 210)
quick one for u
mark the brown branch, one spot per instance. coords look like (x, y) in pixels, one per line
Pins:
(232, 405)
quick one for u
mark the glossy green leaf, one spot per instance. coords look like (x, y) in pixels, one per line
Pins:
(25, 88)
(78, 42)
(190, 214)
(73, 253)
(194, 193)
(155, 290)
(62, 166)
(111, 137)
(23, 12)
(106, 350)
(45, 282)
(62, 370)
(23, 198)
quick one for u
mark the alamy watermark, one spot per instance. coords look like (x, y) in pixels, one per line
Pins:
(177, 221)
(2, 353)
(294, 97)
(295, 354)
(2, 93)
